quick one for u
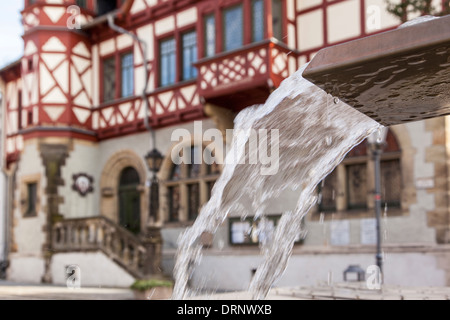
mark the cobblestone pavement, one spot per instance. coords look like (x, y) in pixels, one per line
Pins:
(343, 291)
(15, 291)
(340, 291)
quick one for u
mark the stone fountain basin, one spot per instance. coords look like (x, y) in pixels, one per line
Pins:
(393, 77)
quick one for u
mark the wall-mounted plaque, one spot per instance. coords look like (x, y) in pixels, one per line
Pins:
(83, 183)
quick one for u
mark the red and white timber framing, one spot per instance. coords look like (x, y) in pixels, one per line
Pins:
(57, 85)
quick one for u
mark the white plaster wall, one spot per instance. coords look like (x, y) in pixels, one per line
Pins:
(2, 214)
(305, 4)
(96, 270)
(27, 263)
(26, 269)
(2, 176)
(187, 17)
(107, 47)
(82, 159)
(377, 14)
(95, 75)
(343, 20)
(411, 228)
(28, 234)
(234, 272)
(141, 143)
(310, 30)
(165, 25)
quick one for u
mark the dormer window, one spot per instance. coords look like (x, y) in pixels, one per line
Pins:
(82, 3)
(106, 6)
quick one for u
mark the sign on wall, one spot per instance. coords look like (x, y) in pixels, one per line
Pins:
(251, 231)
(83, 183)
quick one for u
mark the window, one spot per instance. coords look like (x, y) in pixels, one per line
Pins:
(127, 66)
(277, 19)
(210, 36)
(30, 65)
(118, 83)
(129, 200)
(105, 6)
(233, 28)
(174, 203)
(31, 199)
(189, 186)
(251, 231)
(195, 166)
(189, 55)
(19, 109)
(29, 117)
(193, 200)
(257, 20)
(356, 186)
(327, 191)
(391, 182)
(353, 180)
(168, 62)
(81, 3)
(109, 79)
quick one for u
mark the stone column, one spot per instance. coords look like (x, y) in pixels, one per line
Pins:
(53, 158)
(152, 241)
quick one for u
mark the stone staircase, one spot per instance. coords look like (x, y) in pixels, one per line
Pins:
(137, 255)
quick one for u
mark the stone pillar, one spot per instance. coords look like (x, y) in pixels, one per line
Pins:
(152, 241)
(53, 158)
(222, 117)
(437, 154)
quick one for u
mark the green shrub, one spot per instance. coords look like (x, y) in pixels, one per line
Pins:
(142, 285)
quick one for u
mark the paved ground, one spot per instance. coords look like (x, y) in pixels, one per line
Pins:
(17, 291)
(340, 291)
(343, 291)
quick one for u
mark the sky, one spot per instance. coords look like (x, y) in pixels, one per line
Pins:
(11, 44)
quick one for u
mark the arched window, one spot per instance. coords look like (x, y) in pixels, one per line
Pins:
(350, 186)
(129, 200)
(189, 186)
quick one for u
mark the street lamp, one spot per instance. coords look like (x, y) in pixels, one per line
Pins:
(154, 160)
(376, 142)
(152, 238)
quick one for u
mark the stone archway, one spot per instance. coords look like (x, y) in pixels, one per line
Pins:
(109, 184)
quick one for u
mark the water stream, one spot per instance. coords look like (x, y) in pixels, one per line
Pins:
(315, 133)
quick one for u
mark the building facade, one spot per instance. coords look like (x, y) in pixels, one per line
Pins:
(2, 208)
(96, 75)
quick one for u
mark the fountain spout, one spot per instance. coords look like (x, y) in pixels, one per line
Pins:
(393, 77)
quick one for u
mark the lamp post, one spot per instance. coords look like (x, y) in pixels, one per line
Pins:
(154, 160)
(152, 238)
(376, 142)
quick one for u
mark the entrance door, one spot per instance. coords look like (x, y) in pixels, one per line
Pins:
(130, 200)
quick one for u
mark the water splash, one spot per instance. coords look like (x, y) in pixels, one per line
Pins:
(297, 110)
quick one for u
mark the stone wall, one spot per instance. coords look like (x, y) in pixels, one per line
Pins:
(95, 267)
(28, 236)
(403, 266)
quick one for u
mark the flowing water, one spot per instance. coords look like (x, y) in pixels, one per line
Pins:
(315, 133)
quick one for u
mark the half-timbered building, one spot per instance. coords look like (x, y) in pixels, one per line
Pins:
(96, 75)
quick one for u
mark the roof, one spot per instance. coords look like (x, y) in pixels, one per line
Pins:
(11, 70)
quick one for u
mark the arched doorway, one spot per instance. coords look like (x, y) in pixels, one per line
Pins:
(129, 200)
